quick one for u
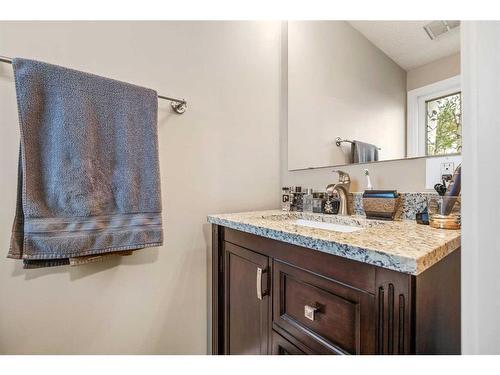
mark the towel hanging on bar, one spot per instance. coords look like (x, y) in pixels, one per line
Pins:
(88, 181)
(362, 152)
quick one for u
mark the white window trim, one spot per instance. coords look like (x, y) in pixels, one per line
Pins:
(415, 128)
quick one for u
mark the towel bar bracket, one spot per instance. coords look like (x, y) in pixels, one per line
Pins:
(179, 107)
(339, 141)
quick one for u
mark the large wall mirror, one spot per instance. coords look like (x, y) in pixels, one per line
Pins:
(365, 91)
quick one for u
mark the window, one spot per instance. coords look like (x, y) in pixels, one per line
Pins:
(434, 125)
(443, 128)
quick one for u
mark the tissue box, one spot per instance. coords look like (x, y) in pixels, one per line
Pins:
(381, 204)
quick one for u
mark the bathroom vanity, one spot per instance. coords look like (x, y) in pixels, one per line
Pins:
(302, 283)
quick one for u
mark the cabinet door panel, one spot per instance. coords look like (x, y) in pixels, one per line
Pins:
(246, 301)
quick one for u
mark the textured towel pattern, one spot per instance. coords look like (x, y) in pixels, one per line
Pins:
(88, 168)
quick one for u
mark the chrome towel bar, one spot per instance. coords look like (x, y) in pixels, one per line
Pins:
(178, 105)
(339, 141)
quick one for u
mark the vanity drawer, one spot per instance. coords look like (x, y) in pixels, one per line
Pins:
(323, 314)
(281, 346)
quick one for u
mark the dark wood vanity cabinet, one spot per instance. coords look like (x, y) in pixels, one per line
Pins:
(246, 301)
(270, 297)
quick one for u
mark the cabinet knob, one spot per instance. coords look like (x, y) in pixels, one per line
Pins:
(309, 312)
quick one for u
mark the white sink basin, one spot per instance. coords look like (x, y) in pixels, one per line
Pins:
(328, 226)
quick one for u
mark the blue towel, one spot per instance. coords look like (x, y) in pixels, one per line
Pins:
(88, 168)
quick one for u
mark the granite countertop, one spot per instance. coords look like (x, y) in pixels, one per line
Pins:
(403, 246)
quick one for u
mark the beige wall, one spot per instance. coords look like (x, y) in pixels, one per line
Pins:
(434, 71)
(341, 85)
(222, 155)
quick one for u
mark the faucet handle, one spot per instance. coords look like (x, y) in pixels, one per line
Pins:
(343, 176)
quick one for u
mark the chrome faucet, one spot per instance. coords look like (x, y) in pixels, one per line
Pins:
(342, 189)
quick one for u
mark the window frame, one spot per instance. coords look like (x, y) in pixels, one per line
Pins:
(416, 140)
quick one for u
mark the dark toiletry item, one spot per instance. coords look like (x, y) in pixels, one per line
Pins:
(422, 217)
(381, 204)
(332, 206)
(296, 199)
(455, 183)
(380, 194)
(440, 188)
(292, 198)
(285, 199)
(453, 190)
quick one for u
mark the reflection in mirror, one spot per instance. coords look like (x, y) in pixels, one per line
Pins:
(364, 91)
(443, 125)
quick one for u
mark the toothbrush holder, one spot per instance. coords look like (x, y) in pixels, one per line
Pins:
(444, 212)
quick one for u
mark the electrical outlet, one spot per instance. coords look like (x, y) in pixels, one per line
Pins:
(447, 169)
(438, 166)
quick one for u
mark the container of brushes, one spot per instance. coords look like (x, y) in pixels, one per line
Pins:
(381, 204)
(444, 212)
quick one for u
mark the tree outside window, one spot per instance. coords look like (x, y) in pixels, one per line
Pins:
(444, 125)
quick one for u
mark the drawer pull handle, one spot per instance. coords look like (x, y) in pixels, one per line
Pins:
(260, 271)
(309, 312)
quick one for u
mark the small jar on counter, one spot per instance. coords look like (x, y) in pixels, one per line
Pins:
(332, 205)
(318, 203)
(307, 201)
(285, 198)
(296, 199)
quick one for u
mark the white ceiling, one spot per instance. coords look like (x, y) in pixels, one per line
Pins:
(407, 43)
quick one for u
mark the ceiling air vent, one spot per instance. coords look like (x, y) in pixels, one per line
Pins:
(438, 28)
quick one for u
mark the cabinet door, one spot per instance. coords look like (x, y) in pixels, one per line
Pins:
(246, 304)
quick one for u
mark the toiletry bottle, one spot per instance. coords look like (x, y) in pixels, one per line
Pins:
(368, 181)
(297, 201)
(292, 198)
(328, 208)
(307, 201)
(332, 205)
(285, 198)
(318, 202)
